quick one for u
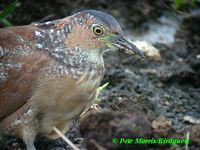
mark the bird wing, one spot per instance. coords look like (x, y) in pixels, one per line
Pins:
(20, 67)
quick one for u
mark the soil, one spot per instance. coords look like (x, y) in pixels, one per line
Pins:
(150, 99)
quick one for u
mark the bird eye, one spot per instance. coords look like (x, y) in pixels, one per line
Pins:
(98, 30)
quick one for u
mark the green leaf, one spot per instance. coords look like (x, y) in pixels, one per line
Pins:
(8, 10)
(99, 89)
(177, 4)
(102, 87)
(5, 22)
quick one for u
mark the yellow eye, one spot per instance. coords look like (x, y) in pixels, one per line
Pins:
(98, 30)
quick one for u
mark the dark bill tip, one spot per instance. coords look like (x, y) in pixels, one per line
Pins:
(128, 47)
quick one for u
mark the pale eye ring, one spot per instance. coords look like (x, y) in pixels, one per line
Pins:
(98, 30)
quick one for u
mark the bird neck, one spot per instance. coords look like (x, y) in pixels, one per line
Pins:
(70, 61)
(77, 62)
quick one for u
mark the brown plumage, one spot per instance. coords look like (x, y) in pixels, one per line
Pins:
(49, 72)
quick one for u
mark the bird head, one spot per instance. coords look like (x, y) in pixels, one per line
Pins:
(98, 31)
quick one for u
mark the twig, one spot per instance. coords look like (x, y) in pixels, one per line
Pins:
(188, 138)
(65, 138)
(49, 17)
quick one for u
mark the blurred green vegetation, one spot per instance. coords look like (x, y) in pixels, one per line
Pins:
(99, 90)
(177, 4)
(6, 12)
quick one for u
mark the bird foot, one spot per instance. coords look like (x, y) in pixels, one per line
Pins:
(96, 107)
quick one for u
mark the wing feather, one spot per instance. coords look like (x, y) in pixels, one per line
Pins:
(20, 67)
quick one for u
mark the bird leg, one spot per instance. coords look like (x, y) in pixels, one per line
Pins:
(28, 129)
(28, 136)
(30, 145)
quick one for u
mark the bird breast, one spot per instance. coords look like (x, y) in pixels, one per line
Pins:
(58, 100)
